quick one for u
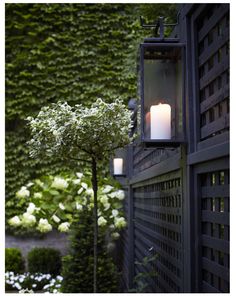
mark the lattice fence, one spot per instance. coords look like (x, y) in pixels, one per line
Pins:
(213, 65)
(158, 232)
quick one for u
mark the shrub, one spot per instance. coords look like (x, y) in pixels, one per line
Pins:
(77, 267)
(44, 260)
(14, 260)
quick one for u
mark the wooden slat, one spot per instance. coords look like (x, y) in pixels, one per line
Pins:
(214, 72)
(213, 48)
(215, 268)
(216, 98)
(215, 217)
(215, 191)
(158, 194)
(215, 126)
(159, 222)
(174, 244)
(215, 18)
(173, 260)
(164, 210)
(215, 243)
(207, 288)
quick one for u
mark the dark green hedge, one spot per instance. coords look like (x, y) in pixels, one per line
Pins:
(44, 260)
(77, 266)
(14, 260)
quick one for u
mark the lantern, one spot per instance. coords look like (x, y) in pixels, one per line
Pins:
(162, 93)
(118, 166)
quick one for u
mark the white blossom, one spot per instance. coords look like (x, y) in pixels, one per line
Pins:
(89, 191)
(104, 199)
(80, 190)
(61, 206)
(28, 220)
(14, 221)
(30, 184)
(84, 185)
(78, 206)
(64, 227)
(107, 206)
(115, 213)
(107, 188)
(59, 183)
(79, 175)
(38, 195)
(56, 219)
(44, 226)
(23, 192)
(102, 221)
(119, 222)
(120, 194)
(76, 181)
(31, 208)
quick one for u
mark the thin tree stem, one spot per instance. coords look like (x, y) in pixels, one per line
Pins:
(95, 189)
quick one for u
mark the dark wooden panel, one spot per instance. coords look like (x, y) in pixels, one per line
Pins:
(212, 22)
(218, 270)
(216, 98)
(215, 243)
(214, 72)
(214, 47)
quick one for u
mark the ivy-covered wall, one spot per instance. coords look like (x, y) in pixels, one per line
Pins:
(67, 52)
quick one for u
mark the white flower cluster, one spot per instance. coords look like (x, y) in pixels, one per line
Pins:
(72, 196)
(29, 283)
(59, 183)
(23, 192)
(44, 226)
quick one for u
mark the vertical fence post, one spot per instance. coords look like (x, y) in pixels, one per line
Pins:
(186, 226)
(130, 220)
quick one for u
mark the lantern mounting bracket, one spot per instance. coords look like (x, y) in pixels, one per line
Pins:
(158, 26)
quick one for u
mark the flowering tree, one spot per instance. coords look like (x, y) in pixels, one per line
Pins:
(82, 134)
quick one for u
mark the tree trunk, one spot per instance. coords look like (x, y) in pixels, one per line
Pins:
(95, 243)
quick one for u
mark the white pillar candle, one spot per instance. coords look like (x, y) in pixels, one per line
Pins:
(160, 122)
(118, 166)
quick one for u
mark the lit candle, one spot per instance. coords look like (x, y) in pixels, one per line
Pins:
(160, 121)
(118, 166)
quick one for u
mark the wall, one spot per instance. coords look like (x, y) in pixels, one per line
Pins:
(52, 240)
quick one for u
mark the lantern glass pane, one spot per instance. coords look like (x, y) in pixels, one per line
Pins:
(162, 82)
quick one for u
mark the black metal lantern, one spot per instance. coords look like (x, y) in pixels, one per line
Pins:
(162, 92)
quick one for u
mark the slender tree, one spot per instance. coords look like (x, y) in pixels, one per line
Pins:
(84, 134)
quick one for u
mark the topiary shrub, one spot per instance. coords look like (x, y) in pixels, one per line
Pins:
(14, 260)
(77, 267)
(44, 260)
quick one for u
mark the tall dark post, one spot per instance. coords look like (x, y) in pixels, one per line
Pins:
(95, 189)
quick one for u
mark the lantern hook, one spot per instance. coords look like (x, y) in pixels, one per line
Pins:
(158, 26)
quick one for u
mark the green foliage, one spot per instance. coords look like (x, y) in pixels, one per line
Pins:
(140, 281)
(90, 133)
(67, 52)
(72, 52)
(56, 202)
(44, 260)
(77, 268)
(14, 260)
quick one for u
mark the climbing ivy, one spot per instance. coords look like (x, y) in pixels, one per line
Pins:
(67, 52)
